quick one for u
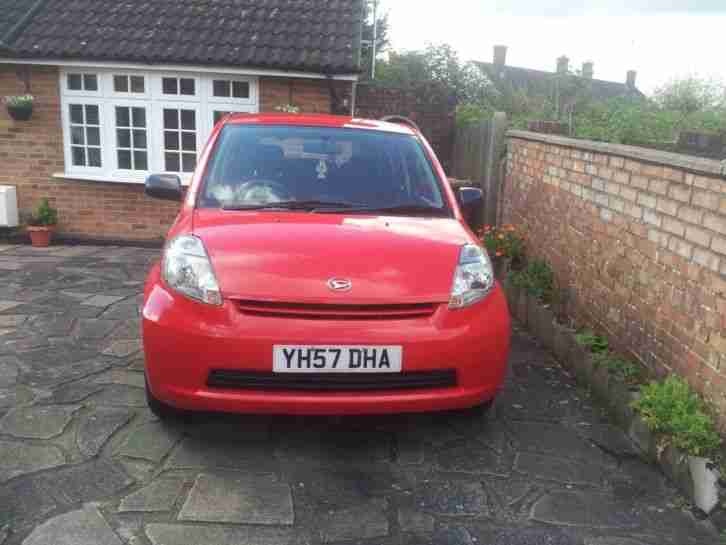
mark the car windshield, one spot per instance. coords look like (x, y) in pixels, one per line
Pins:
(320, 169)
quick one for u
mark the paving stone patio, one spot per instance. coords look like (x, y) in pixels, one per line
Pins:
(83, 461)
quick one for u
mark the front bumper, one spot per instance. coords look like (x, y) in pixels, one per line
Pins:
(185, 340)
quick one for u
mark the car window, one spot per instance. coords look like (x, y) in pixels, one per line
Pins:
(259, 165)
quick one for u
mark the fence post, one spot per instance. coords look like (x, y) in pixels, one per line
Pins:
(491, 181)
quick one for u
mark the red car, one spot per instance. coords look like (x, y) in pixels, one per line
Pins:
(321, 265)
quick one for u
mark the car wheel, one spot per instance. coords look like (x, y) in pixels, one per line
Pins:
(475, 412)
(160, 409)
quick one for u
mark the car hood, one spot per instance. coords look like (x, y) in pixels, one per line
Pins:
(290, 257)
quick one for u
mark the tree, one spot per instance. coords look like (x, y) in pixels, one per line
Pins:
(690, 95)
(438, 64)
(382, 37)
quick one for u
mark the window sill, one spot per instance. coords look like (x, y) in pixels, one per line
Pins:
(99, 178)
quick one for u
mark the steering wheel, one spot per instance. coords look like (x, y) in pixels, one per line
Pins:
(263, 191)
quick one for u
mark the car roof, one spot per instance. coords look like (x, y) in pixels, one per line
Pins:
(318, 120)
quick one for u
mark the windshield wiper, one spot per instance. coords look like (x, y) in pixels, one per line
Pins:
(291, 205)
(405, 209)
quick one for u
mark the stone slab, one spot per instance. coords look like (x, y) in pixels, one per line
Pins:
(42, 422)
(82, 527)
(160, 495)
(186, 534)
(558, 469)
(71, 393)
(452, 498)
(415, 522)
(239, 499)
(93, 480)
(12, 320)
(95, 429)
(150, 441)
(220, 453)
(7, 305)
(119, 395)
(102, 300)
(365, 521)
(591, 509)
(122, 349)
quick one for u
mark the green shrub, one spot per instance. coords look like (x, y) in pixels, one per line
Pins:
(44, 214)
(673, 409)
(537, 278)
(624, 370)
(595, 343)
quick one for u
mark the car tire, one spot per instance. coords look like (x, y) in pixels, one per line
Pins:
(160, 409)
(476, 412)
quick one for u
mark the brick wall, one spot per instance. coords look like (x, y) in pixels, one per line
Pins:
(431, 107)
(637, 239)
(31, 152)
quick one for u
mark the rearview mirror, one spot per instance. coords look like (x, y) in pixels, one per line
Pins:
(163, 186)
(472, 205)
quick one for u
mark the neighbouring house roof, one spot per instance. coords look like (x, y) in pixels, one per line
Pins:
(527, 79)
(321, 36)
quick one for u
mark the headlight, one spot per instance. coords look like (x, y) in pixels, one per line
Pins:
(187, 269)
(473, 279)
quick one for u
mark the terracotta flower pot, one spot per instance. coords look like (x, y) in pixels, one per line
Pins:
(20, 113)
(40, 235)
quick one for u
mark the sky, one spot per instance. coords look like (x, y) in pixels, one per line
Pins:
(661, 39)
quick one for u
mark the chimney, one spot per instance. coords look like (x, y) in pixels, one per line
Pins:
(630, 81)
(588, 69)
(500, 55)
(563, 65)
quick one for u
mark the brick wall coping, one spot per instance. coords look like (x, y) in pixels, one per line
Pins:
(696, 165)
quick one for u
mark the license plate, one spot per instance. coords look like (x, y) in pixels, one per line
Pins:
(336, 359)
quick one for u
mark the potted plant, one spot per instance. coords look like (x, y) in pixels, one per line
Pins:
(41, 224)
(20, 107)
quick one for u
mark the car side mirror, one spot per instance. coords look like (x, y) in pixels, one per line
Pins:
(472, 205)
(164, 186)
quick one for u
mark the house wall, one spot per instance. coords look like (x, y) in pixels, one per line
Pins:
(31, 152)
(637, 240)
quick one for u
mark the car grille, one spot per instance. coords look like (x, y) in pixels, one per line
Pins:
(337, 312)
(331, 382)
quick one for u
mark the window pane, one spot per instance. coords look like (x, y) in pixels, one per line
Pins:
(186, 86)
(79, 156)
(171, 140)
(189, 141)
(76, 114)
(122, 116)
(93, 136)
(124, 159)
(171, 119)
(123, 138)
(188, 123)
(169, 86)
(92, 115)
(137, 84)
(140, 160)
(189, 162)
(140, 139)
(220, 88)
(90, 82)
(121, 84)
(77, 137)
(139, 116)
(94, 157)
(240, 89)
(75, 83)
(171, 162)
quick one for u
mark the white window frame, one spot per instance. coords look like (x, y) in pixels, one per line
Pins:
(154, 101)
(198, 125)
(67, 144)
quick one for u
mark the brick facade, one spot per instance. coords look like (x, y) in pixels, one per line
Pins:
(638, 245)
(31, 152)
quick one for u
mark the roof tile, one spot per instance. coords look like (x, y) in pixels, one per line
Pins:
(311, 35)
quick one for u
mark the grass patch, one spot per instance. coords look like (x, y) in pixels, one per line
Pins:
(672, 409)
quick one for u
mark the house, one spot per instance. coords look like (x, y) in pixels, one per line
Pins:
(508, 79)
(127, 87)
